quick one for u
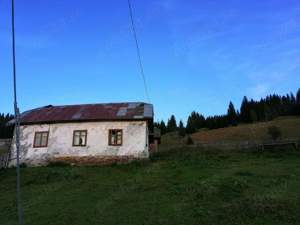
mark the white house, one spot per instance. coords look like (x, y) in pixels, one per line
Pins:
(74, 132)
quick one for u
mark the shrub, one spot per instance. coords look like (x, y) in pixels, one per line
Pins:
(189, 140)
(57, 164)
(23, 165)
(274, 132)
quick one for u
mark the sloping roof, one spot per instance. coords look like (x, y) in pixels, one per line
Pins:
(88, 112)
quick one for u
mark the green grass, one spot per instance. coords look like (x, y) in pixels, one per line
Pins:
(181, 187)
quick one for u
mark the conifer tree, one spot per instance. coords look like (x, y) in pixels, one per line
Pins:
(163, 128)
(231, 114)
(298, 102)
(253, 115)
(195, 121)
(172, 124)
(6, 131)
(245, 110)
(181, 129)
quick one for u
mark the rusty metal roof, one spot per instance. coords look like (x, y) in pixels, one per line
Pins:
(88, 112)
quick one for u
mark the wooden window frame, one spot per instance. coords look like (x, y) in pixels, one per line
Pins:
(41, 133)
(109, 137)
(73, 142)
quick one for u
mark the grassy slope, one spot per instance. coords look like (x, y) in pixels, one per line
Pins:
(183, 187)
(290, 128)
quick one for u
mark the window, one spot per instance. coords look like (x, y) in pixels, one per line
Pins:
(40, 139)
(115, 137)
(79, 137)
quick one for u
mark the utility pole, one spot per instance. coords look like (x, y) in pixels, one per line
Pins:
(17, 118)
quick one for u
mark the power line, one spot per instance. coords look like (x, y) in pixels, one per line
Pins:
(17, 117)
(138, 49)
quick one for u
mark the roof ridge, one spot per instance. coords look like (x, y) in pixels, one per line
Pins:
(87, 104)
(86, 112)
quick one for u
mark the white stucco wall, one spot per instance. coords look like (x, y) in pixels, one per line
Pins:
(135, 141)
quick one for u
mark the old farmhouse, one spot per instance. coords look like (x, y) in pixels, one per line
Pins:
(80, 132)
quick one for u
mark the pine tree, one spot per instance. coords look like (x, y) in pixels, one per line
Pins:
(265, 109)
(172, 124)
(293, 104)
(163, 128)
(245, 110)
(195, 121)
(298, 102)
(6, 131)
(253, 115)
(190, 125)
(298, 97)
(232, 115)
(156, 124)
(267, 113)
(181, 129)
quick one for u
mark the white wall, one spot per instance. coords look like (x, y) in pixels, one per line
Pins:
(135, 141)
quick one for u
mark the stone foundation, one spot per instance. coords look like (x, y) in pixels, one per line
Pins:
(92, 160)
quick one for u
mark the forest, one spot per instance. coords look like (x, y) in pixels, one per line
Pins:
(250, 111)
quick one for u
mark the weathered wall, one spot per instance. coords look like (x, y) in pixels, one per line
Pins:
(135, 141)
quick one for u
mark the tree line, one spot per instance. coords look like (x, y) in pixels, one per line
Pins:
(6, 131)
(250, 111)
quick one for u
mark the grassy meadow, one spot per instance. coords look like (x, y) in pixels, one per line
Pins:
(185, 186)
(288, 125)
(256, 132)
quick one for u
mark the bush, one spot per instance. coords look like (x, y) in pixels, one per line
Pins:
(23, 165)
(274, 132)
(57, 164)
(189, 140)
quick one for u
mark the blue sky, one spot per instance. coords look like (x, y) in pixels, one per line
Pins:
(198, 55)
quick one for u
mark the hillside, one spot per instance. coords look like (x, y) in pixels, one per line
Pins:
(289, 126)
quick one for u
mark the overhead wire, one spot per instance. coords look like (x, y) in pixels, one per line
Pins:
(138, 51)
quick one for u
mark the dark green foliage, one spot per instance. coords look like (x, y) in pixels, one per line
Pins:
(265, 109)
(214, 122)
(232, 115)
(253, 116)
(189, 141)
(268, 108)
(57, 164)
(245, 110)
(244, 173)
(172, 124)
(23, 165)
(297, 108)
(195, 121)
(274, 132)
(161, 126)
(181, 129)
(5, 130)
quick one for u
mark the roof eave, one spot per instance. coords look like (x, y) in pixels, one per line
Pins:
(85, 121)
